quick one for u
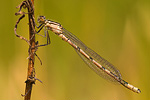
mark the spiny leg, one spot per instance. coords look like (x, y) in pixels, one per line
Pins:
(34, 53)
(48, 39)
(40, 27)
(46, 35)
(37, 45)
(38, 58)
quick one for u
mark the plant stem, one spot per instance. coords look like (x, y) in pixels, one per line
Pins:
(30, 73)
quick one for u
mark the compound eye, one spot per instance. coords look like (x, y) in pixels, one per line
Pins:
(41, 19)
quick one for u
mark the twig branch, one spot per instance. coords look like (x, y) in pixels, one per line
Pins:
(29, 4)
(31, 72)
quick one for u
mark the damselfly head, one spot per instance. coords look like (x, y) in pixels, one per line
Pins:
(41, 19)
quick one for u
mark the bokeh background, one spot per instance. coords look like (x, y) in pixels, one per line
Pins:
(118, 30)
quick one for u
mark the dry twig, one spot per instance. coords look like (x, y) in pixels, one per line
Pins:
(29, 4)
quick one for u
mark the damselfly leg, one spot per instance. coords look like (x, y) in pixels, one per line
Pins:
(46, 34)
(37, 44)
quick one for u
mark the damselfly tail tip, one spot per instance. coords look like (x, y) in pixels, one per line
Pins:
(138, 91)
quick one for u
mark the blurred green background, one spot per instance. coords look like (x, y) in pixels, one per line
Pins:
(118, 30)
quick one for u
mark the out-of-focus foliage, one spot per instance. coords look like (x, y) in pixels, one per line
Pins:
(118, 30)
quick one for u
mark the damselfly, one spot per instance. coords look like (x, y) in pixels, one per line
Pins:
(101, 66)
